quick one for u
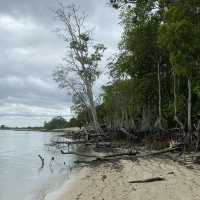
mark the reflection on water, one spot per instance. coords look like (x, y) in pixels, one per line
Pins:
(21, 175)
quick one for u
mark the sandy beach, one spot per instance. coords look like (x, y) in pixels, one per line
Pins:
(111, 181)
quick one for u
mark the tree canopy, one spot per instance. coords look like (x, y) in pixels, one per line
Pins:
(155, 74)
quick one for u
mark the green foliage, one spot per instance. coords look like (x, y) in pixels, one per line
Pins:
(164, 33)
(56, 123)
(74, 122)
(60, 123)
(136, 64)
(179, 34)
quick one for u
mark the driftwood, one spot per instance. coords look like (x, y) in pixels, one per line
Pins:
(100, 157)
(92, 161)
(79, 154)
(123, 130)
(125, 154)
(104, 145)
(72, 142)
(119, 156)
(148, 180)
(167, 150)
(42, 160)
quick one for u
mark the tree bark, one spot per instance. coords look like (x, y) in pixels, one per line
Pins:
(159, 90)
(93, 109)
(146, 124)
(175, 104)
(159, 120)
(189, 104)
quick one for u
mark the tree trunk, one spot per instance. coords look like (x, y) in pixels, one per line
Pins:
(126, 120)
(175, 104)
(159, 120)
(93, 109)
(189, 104)
(95, 120)
(159, 90)
(132, 124)
(175, 96)
(146, 124)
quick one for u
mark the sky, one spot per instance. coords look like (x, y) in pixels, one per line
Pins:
(30, 50)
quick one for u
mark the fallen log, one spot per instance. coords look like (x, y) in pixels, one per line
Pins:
(89, 162)
(120, 154)
(130, 154)
(166, 150)
(108, 158)
(148, 180)
(104, 145)
(100, 157)
(123, 130)
(78, 154)
(72, 142)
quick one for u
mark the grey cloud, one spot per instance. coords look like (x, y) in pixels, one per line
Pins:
(30, 51)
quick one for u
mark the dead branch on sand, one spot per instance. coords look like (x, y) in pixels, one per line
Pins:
(148, 180)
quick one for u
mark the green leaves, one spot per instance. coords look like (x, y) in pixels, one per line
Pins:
(164, 32)
(56, 123)
(179, 35)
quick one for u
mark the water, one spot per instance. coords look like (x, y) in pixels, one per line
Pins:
(20, 175)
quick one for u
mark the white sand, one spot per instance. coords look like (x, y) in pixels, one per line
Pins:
(106, 183)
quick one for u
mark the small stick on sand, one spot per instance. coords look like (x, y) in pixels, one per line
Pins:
(148, 180)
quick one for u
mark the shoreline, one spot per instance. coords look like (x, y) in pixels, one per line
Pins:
(111, 181)
(76, 176)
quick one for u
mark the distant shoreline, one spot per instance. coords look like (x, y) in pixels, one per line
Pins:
(23, 129)
(41, 129)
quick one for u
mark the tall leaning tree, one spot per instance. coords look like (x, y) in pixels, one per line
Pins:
(80, 70)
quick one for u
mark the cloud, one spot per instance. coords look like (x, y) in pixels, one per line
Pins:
(30, 51)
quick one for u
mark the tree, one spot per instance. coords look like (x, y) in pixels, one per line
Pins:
(56, 123)
(81, 111)
(121, 3)
(120, 104)
(3, 126)
(179, 33)
(81, 69)
(141, 56)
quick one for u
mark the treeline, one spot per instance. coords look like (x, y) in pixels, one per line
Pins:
(155, 75)
(156, 80)
(60, 123)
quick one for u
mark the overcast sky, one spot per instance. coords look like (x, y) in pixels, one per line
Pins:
(30, 50)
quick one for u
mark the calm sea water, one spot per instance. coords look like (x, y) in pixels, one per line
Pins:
(20, 175)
